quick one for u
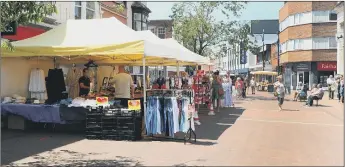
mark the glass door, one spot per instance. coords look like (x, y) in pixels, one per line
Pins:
(300, 79)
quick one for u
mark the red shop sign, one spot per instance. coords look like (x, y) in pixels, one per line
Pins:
(327, 66)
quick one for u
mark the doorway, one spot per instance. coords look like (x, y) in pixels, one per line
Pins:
(303, 77)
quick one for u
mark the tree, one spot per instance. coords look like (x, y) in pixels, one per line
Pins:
(23, 12)
(241, 33)
(196, 27)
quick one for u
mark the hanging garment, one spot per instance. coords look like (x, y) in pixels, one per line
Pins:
(37, 86)
(153, 116)
(227, 94)
(55, 85)
(72, 81)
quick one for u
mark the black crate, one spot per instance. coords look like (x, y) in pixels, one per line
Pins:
(113, 124)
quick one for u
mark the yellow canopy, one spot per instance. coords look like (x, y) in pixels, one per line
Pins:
(264, 73)
(104, 39)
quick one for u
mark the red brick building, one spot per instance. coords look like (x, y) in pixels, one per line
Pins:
(109, 10)
(307, 42)
(162, 28)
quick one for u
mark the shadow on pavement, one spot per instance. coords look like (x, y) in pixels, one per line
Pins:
(258, 97)
(59, 158)
(16, 145)
(212, 127)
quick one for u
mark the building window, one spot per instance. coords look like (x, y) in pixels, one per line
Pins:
(332, 16)
(144, 22)
(320, 16)
(137, 21)
(77, 12)
(290, 45)
(332, 43)
(320, 43)
(90, 9)
(308, 17)
(161, 32)
(153, 30)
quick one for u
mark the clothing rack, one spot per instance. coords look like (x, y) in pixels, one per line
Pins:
(173, 92)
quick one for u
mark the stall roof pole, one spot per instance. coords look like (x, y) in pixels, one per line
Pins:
(144, 82)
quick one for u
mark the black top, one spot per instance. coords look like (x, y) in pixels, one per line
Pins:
(160, 82)
(86, 81)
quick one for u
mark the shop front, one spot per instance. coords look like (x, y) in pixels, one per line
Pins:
(325, 69)
(297, 73)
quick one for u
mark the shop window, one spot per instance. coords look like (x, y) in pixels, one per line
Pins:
(161, 32)
(77, 10)
(90, 10)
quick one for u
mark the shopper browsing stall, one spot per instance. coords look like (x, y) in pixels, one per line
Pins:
(124, 87)
(84, 83)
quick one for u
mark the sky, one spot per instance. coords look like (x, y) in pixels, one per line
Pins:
(253, 10)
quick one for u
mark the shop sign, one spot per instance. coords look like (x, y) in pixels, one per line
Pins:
(10, 29)
(327, 66)
(302, 67)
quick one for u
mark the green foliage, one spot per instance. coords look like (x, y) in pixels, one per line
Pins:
(196, 27)
(23, 12)
(241, 33)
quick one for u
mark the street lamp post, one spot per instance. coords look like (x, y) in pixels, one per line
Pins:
(278, 55)
(263, 50)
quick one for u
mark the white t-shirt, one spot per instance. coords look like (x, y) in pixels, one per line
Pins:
(330, 81)
(122, 83)
(252, 82)
(279, 88)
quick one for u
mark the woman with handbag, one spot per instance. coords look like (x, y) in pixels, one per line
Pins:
(217, 92)
(279, 91)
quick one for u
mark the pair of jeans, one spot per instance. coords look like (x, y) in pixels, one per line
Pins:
(153, 116)
(168, 112)
(331, 93)
(184, 117)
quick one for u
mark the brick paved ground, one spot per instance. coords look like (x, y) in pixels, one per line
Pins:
(255, 133)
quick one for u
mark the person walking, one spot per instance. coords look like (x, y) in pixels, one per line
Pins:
(252, 85)
(331, 87)
(279, 92)
(338, 88)
(239, 87)
(227, 93)
(217, 92)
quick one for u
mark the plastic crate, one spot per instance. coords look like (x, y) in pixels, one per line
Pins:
(113, 124)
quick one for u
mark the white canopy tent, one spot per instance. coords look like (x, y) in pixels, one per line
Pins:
(180, 51)
(99, 39)
(193, 56)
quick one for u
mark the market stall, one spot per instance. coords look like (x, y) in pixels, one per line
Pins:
(264, 80)
(66, 45)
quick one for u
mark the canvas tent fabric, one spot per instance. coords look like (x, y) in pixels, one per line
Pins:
(184, 51)
(180, 51)
(102, 39)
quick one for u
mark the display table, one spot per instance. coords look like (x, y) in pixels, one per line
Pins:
(33, 112)
(72, 114)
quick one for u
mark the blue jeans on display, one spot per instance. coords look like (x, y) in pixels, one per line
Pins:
(169, 112)
(153, 116)
(183, 115)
